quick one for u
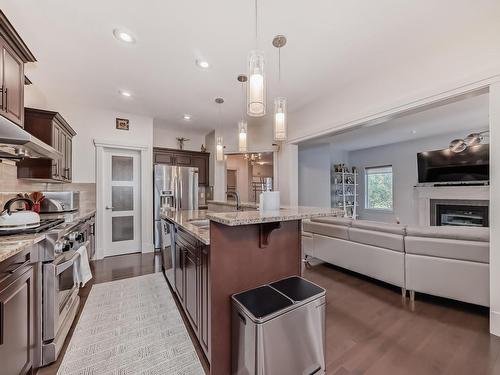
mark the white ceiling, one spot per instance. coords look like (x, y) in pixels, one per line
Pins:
(462, 116)
(331, 43)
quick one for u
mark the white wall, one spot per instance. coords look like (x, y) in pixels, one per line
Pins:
(164, 135)
(314, 164)
(92, 123)
(210, 145)
(314, 175)
(495, 210)
(403, 158)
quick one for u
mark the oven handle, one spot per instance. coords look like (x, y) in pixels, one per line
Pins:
(60, 268)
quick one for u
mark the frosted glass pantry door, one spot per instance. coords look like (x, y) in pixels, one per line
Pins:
(122, 202)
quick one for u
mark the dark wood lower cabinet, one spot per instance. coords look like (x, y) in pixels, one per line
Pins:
(179, 272)
(192, 284)
(191, 276)
(16, 320)
(204, 301)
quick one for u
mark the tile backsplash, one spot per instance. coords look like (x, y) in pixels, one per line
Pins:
(10, 186)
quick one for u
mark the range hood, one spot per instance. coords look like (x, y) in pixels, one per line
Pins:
(17, 143)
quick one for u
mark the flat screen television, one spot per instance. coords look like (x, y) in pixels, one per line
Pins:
(473, 164)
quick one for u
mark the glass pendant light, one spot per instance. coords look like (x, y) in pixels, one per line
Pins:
(242, 136)
(280, 106)
(256, 88)
(280, 115)
(219, 148)
(242, 124)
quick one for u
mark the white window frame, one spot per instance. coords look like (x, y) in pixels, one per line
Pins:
(386, 210)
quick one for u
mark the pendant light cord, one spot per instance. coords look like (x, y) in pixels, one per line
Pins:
(279, 70)
(242, 102)
(256, 25)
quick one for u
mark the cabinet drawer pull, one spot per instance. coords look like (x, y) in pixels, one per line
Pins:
(19, 267)
(6, 97)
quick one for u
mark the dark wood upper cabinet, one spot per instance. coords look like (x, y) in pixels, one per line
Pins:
(51, 128)
(13, 55)
(184, 158)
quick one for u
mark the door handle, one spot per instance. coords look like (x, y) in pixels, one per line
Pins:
(109, 208)
(64, 266)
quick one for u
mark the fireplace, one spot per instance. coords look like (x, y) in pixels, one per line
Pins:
(473, 213)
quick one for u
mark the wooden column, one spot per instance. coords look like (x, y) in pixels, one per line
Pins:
(241, 258)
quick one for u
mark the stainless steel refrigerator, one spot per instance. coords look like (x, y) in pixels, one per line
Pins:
(174, 187)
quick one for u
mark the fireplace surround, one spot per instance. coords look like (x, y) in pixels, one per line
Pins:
(428, 197)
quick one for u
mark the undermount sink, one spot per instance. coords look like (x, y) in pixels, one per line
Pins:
(200, 223)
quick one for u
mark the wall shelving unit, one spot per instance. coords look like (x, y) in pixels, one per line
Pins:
(345, 190)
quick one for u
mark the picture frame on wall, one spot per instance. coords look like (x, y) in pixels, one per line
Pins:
(122, 124)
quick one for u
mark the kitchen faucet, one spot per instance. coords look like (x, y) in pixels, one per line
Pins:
(236, 196)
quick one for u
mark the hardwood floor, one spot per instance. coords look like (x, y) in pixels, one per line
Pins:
(370, 331)
(369, 328)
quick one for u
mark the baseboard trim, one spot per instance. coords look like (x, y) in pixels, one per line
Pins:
(148, 247)
(495, 323)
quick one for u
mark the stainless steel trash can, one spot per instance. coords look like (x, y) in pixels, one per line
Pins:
(279, 329)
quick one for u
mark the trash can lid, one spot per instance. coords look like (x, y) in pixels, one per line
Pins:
(297, 289)
(262, 301)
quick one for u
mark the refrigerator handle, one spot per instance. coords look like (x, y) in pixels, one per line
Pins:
(195, 190)
(179, 192)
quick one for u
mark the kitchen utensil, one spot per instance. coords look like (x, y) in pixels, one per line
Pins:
(10, 220)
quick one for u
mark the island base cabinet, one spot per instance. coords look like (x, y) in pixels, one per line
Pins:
(204, 302)
(192, 285)
(191, 273)
(16, 319)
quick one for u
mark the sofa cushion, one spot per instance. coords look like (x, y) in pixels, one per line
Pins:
(333, 220)
(337, 231)
(379, 226)
(475, 251)
(449, 278)
(453, 233)
(384, 240)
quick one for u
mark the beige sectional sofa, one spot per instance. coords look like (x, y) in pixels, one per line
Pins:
(448, 262)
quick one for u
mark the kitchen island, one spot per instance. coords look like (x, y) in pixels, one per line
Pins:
(241, 250)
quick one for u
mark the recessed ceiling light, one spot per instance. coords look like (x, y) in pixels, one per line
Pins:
(127, 94)
(413, 131)
(187, 117)
(124, 36)
(203, 64)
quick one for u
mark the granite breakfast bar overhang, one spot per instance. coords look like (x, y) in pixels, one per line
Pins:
(247, 249)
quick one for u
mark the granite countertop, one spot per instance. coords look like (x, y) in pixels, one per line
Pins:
(233, 204)
(12, 245)
(184, 219)
(71, 217)
(284, 214)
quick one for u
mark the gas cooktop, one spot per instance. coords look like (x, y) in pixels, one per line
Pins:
(45, 224)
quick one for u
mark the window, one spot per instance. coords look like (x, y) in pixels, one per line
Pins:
(378, 188)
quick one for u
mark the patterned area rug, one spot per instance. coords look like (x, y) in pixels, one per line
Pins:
(131, 326)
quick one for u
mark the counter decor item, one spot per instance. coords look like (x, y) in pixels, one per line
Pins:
(180, 141)
(37, 198)
(269, 201)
